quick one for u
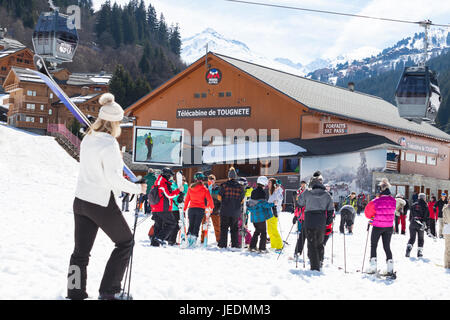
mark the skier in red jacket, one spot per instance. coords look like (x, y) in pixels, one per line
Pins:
(165, 221)
(197, 200)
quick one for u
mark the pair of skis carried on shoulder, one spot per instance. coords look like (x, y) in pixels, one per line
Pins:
(43, 73)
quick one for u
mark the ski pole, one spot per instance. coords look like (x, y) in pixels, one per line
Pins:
(285, 242)
(296, 246)
(345, 260)
(130, 262)
(332, 241)
(365, 248)
(304, 266)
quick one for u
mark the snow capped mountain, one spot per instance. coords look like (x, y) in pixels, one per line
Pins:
(194, 48)
(361, 63)
(367, 62)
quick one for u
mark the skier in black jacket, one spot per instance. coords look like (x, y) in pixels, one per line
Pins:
(418, 218)
(439, 206)
(319, 210)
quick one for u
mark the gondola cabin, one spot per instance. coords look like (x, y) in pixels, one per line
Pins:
(417, 96)
(54, 38)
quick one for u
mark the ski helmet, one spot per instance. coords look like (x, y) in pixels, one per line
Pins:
(167, 172)
(243, 181)
(262, 180)
(199, 176)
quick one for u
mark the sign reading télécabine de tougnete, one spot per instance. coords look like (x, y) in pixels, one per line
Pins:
(224, 112)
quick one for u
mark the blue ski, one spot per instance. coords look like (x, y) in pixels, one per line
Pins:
(46, 77)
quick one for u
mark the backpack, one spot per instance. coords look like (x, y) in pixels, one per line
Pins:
(153, 196)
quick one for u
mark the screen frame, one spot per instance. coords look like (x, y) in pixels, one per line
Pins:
(152, 163)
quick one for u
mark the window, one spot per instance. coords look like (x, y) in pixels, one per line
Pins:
(42, 107)
(229, 94)
(203, 94)
(196, 95)
(431, 161)
(411, 157)
(41, 120)
(29, 119)
(403, 156)
(421, 158)
(221, 94)
(51, 95)
(50, 111)
(3, 68)
(31, 106)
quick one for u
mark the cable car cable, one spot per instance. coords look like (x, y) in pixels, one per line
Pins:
(336, 13)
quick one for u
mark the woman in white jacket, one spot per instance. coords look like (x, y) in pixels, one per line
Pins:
(100, 181)
(275, 197)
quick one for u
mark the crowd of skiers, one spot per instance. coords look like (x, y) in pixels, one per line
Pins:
(228, 204)
(225, 205)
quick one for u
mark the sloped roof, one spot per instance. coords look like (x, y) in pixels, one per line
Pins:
(343, 144)
(26, 75)
(10, 46)
(8, 43)
(329, 99)
(78, 79)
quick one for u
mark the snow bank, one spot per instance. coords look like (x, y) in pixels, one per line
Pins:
(37, 187)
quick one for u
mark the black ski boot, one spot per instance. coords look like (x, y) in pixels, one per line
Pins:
(419, 252)
(115, 296)
(408, 250)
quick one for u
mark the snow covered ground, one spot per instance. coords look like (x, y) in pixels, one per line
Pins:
(36, 227)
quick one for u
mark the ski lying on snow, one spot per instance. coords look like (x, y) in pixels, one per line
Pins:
(45, 75)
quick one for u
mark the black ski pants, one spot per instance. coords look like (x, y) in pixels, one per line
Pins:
(195, 220)
(432, 223)
(172, 238)
(165, 224)
(89, 218)
(229, 223)
(346, 221)
(315, 246)
(385, 234)
(413, 231)
(261, 233)
(300, 242)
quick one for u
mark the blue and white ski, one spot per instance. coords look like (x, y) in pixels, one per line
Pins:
(183, 236)
(45, 75)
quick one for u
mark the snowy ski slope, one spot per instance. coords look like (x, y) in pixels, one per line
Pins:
(36, 227)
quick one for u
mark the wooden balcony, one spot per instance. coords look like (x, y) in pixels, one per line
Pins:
(36, 99)
(393, 166)
(12, 87)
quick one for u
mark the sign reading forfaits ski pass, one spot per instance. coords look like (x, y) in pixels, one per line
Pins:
(213, 76)
(334, 128)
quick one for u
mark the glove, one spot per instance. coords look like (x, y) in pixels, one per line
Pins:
(294, 220)
(180, 198)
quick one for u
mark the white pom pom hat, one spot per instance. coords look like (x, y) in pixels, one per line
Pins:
(110, 110)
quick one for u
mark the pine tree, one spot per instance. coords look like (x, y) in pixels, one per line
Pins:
(175, 40)
(104, 19)
(116, 25)
(163, 33)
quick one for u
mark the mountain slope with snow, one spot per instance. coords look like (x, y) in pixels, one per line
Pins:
(194, 48)
(36, 224)
(368, 62)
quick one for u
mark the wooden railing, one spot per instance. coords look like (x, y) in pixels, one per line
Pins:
(392, 165)
(61, 129)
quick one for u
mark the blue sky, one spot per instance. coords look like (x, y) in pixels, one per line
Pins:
(299, 36)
